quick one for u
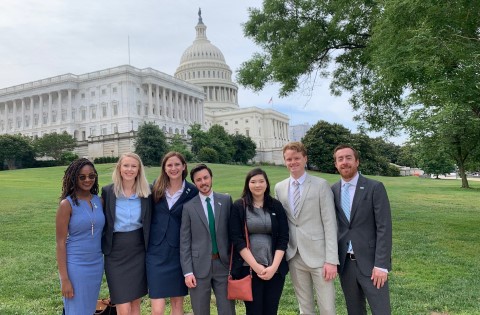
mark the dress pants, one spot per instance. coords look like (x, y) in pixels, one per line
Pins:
(200, 296)
(356, 287)
(304, 280)
(266, 295)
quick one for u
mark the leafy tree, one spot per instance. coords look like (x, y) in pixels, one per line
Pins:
(386, 149)
(408, 155)
(245, 148)
(221, 141)
(67, 158)
(54, 145)
(452, 130)
(178, 144)
(198, 136)
(436, 163)
(150, 144)
(16, 151)
(209, 155)
(372, 162)
(321, 140)
(401, 61)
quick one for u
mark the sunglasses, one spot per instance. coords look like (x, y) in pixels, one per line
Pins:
(89, 176)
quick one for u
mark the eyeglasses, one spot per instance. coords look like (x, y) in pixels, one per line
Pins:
(84, 177)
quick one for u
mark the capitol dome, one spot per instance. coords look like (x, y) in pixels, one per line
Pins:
(203, 64)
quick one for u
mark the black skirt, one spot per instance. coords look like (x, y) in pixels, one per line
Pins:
(125, 267)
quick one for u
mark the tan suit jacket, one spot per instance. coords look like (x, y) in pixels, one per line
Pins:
(313, 230)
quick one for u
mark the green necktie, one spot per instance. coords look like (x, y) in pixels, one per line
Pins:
(211, 225)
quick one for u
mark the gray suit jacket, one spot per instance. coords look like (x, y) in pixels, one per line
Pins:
(370, 226)
(195, 240)
(313, 231)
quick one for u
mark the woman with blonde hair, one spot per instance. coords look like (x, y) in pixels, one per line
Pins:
(127, 207)
(164, 272)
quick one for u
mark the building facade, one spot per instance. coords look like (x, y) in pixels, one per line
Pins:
(203, 64)
(103, 109)
(99, 106)
(297, 132)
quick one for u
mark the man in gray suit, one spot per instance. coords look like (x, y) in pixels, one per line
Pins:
(204, 244)
(312, 253)
(364, 236)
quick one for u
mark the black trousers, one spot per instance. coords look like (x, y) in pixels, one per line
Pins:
(266, 295)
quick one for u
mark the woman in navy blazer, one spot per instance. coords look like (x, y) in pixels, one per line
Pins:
(267, 227)
(164, 272)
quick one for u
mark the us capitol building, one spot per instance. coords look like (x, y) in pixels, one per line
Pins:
(103, 109)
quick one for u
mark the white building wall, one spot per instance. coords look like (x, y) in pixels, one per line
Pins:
(102, 103)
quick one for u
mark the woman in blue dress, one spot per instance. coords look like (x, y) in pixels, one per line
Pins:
(164, 273)
(79, 225)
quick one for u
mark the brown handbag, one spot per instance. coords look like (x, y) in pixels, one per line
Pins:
(105, 307)
(240, 289)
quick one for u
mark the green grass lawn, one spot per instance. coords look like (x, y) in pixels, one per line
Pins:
(436, 234)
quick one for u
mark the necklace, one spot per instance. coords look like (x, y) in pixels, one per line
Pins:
(93, 206)
(258, 205)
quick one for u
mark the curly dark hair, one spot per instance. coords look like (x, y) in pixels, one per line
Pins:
(69, 186)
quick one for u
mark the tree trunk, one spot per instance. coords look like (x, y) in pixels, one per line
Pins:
(463, 176)
(11, 164)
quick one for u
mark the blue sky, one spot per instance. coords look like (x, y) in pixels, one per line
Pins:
(42, 39)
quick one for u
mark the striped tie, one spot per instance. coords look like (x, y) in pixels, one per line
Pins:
(296, 197)
(345, 198)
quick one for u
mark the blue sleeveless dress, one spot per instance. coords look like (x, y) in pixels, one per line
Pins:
(84, 256)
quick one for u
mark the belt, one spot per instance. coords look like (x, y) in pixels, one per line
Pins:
(215, 256)
(351, 256)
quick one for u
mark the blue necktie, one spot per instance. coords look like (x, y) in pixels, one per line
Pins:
(345, 199)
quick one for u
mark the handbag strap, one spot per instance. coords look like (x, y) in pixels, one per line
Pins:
(246, 238)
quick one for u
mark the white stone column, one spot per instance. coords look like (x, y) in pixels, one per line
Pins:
(49, 113)
(60, 110)
(157, 100)
(170, 103)
(175, 105)
(164, 102)
(8, 116)
(189, 108)
(69, 107)
(32, 112)
(150, 100)
(182, 110)
(23, 115)
(14, 113)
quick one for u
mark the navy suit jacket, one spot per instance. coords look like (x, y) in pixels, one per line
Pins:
(166, 222)
(369, 228)
(109, 208)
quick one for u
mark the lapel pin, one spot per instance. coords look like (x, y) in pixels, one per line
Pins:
(361, 187)
(219, 203)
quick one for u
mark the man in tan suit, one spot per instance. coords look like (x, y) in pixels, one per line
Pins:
(312, 253)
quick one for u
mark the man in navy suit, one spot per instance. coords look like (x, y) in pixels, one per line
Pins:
(364, 236)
